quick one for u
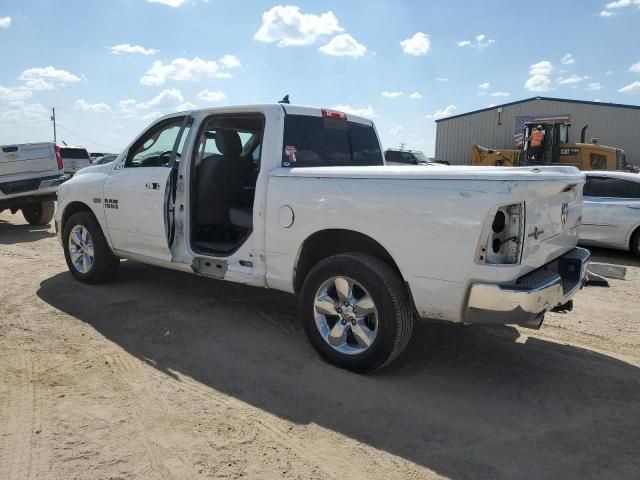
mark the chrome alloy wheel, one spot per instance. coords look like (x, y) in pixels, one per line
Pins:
(81, 249)
(345, 315)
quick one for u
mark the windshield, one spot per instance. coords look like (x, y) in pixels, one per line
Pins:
(421, 157)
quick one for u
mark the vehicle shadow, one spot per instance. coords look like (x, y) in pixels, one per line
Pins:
(614, 257)
(11, 233)
(464, 402)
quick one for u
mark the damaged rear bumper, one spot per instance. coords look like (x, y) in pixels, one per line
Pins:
(527, 300)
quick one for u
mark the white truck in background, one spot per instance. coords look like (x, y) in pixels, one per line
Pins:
(299, 199)
(30, 174)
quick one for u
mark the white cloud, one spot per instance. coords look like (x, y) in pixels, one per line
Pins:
(480, 41)
(568, 59)
(211, 96)
(571, 79)
(183, 69)
(441, 79)
(229, 61)
(635, 68)
(396, 130)
(419, 44)
(127, 107)
(622, 4)
(594, 87)
(344, 45)
(38, 84)
(169, 3)
(5, 22)
(152, 116)
(500, 94)
(609, 72)
(288, 26)
(170, 99)
(128, 49)
(539, 80)
(91, 107)
(415, 96)
(12, 94)
(166, 98)
(631, 88)
(391, 94)
(616, 5)
(21, 112)
(45, 78)
(484, 86)
(362, 112)
(443, 112)
(186, 106)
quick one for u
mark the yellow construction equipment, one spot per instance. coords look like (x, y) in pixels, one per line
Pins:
(556, 150)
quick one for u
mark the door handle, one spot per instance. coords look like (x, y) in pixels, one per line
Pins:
(153, 186)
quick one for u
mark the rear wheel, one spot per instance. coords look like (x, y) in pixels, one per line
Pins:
(86, 251)
(356, 311)
(39, 213)
(635, 243)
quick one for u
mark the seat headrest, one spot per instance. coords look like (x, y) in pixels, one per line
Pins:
(228, 142)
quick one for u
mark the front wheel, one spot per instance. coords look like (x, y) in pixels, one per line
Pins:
(39, 213)
(86, 251)
(356, 311)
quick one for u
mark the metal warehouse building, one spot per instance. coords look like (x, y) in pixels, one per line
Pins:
(614, 125)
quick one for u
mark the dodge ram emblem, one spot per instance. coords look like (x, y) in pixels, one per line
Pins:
(564, 213)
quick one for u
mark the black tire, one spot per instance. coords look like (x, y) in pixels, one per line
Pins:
(105, 263)
(395, 311)
(635, 243)
(39, 213)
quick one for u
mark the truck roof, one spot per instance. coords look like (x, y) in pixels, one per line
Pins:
(288, 108)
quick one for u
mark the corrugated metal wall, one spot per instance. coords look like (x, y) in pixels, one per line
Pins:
(613, 126)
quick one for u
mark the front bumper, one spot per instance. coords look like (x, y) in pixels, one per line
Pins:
(527, 300)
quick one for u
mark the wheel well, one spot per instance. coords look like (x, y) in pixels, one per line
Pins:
(327, 243)
(73, 207)
(634, 234)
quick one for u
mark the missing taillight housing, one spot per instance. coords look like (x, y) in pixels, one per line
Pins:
(501, 243)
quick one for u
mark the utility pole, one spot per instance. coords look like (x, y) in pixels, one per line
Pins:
(53, 119)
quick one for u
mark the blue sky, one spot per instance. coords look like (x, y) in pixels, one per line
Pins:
(109, 67)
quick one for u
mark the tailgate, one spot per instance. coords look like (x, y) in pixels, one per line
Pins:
(16, 159)
(553, 214)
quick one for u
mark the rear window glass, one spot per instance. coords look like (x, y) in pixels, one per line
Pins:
(328, 142)
(74, 153)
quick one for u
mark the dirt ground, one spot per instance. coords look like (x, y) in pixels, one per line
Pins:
(162, 375)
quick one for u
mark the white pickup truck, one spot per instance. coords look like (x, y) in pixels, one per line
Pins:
(299, 199)
(29, 177)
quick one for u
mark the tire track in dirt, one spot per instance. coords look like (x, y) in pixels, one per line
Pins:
(23, 413)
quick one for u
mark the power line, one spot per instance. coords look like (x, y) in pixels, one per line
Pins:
(87, 139)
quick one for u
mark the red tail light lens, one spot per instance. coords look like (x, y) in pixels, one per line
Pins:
(333, 114)
(59, 159)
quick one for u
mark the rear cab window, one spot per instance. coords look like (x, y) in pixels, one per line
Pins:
(328, 142)
(76, 153)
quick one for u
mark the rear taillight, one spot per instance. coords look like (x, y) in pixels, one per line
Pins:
(333, 114)
(59, 159)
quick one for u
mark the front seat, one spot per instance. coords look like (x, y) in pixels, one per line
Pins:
(221, 179)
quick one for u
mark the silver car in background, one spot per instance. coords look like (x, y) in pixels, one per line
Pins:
(611, 211)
